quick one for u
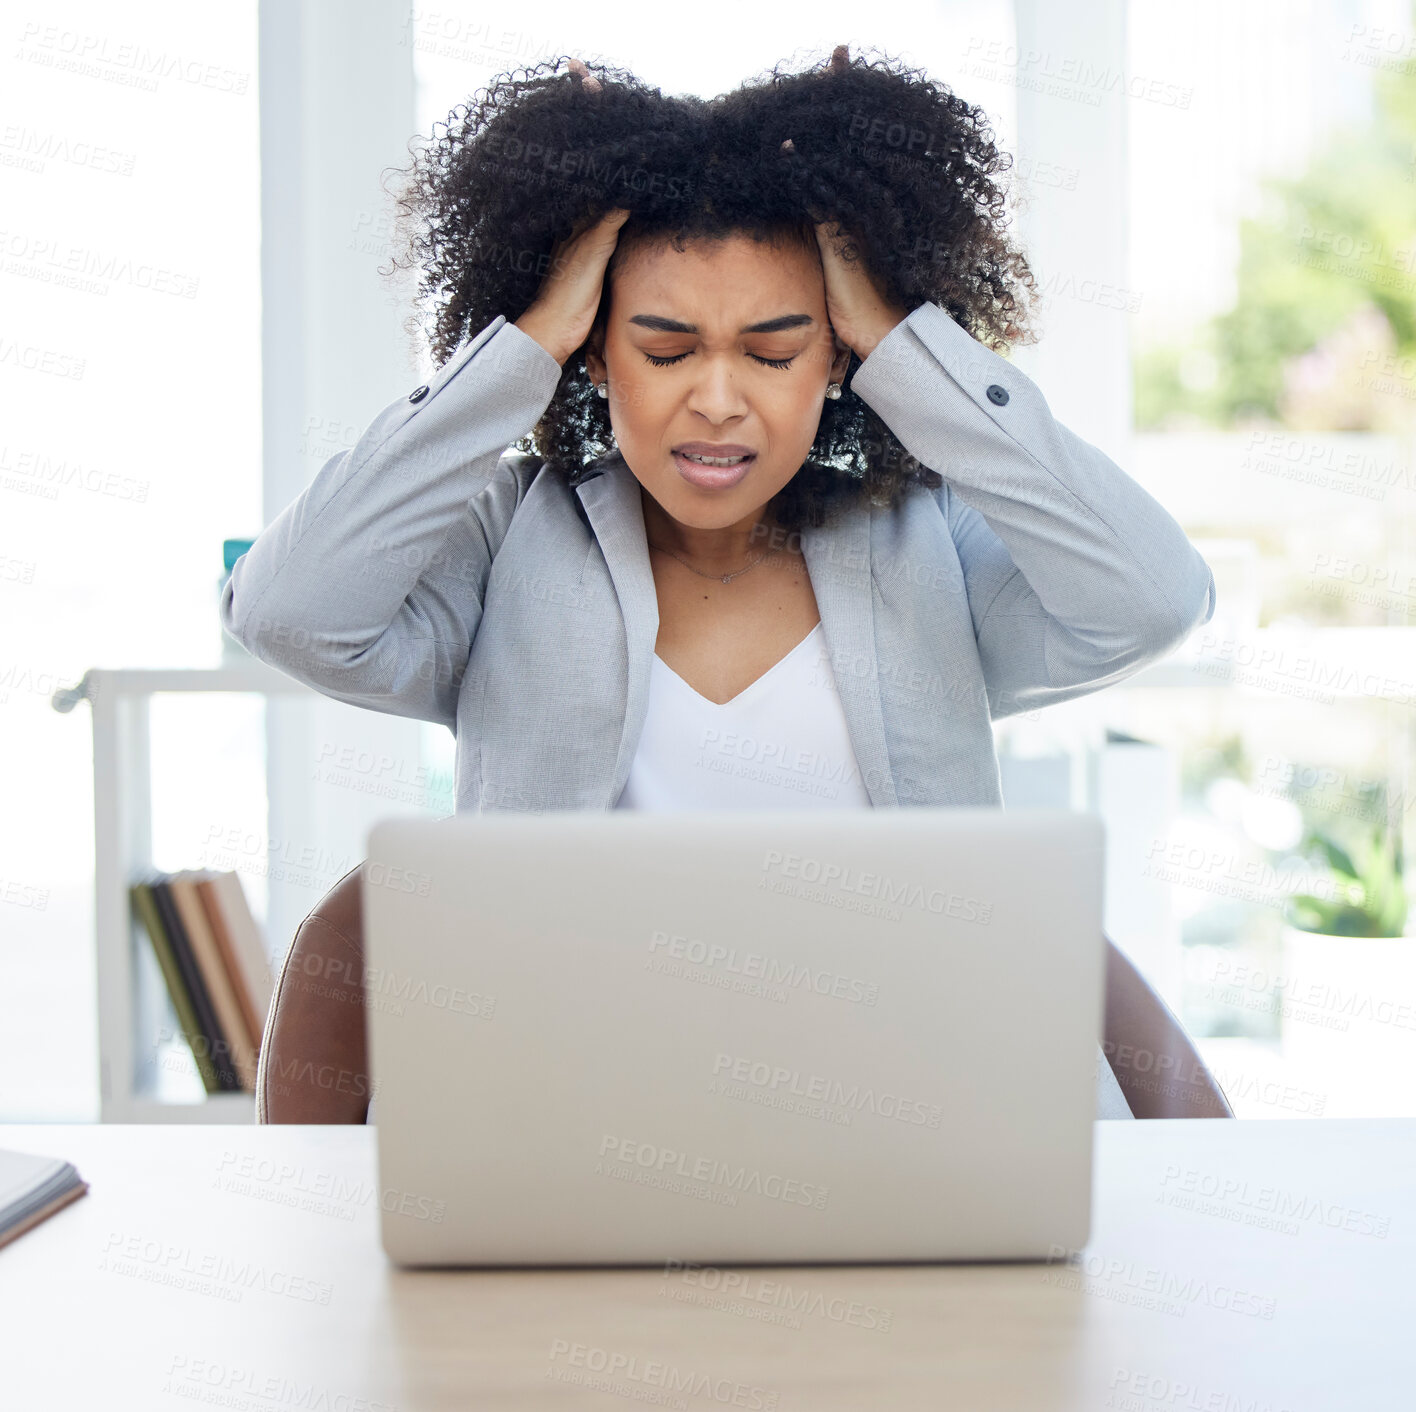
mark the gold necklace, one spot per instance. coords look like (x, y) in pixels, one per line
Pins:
(723, 578)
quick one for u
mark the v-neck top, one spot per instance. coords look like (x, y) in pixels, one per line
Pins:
(780, 743)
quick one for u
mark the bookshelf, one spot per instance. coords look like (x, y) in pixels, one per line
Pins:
(132, 1000)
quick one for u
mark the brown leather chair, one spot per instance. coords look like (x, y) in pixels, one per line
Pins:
(314, 1066)
(314, 1061)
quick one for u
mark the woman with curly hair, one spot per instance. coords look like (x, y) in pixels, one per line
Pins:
(723, 494)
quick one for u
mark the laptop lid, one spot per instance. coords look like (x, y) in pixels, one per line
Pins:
(734, 1037)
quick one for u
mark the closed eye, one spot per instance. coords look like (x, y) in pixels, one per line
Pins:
(766, 362)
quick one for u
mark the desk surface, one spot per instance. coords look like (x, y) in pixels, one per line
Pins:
(1262, 1266)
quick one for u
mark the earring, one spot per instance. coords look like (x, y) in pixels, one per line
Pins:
(603, 388)
(833, 390)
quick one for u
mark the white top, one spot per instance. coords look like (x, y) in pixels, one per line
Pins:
(780, 743)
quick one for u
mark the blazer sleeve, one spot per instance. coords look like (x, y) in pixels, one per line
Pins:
(368, 586)
(1076, 578)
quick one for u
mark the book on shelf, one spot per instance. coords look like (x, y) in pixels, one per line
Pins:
(33, 1188)
(154, 910)
(220, 981)
(239, 938)
(212, 958)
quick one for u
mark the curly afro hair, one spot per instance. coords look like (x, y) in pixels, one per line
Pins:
(909, 170)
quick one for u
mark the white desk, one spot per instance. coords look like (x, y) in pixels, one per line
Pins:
(179, 1282)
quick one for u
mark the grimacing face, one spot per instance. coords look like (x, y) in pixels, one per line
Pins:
(763, 390)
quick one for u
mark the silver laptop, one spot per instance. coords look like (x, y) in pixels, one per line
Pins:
(629, 1038)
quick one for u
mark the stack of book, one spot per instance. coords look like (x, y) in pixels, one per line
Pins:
(33, 1188)
(213, 959)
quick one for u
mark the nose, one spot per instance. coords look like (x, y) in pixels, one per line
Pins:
(715, 394)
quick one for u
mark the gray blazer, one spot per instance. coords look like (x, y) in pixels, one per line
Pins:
(431, 572)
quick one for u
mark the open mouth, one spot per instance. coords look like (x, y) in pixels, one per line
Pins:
(713, 472)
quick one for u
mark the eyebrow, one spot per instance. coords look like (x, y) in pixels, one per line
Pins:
(659, 324)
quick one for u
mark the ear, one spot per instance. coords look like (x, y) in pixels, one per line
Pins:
(839, 364)
(595, 355)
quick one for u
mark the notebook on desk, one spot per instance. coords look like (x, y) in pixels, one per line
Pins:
(734, 1037)
(33, 1188)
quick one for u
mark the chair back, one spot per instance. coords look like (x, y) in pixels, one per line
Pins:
(314, 1055)
(1158, 1068)
(314, 1064)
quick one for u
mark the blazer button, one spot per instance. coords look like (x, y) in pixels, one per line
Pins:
(418, 393)
(997, 395)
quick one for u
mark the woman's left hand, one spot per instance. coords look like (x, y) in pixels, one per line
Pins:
(859, 313)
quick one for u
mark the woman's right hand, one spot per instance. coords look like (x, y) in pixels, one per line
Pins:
(560, 316)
